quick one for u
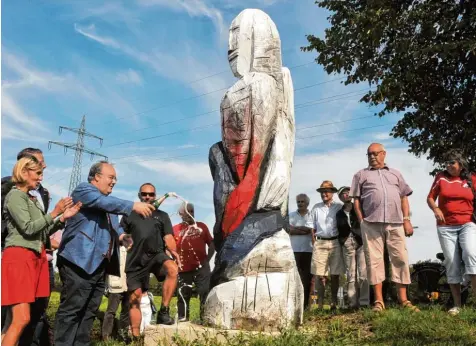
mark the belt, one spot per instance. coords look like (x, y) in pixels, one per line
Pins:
(331, 238)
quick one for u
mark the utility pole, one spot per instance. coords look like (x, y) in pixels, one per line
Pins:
(79, 149)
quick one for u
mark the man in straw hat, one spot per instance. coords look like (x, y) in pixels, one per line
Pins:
(327, 252)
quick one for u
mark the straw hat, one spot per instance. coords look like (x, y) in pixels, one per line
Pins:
(327, 185)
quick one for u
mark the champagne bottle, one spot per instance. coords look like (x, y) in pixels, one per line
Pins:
(159, 201)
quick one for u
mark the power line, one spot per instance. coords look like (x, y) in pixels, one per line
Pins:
(334, 122)
(333, 133)
(315, 102)
(191, 98)
(217, 110)
(164, 135)
(198, 154)
(297, 128)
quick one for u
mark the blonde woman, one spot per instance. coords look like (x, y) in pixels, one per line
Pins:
(25, 274)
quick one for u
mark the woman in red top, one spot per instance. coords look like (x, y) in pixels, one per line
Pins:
(454, 189)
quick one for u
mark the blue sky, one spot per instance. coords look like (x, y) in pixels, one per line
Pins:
(147, 68)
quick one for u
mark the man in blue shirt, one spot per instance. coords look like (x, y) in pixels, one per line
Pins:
(89, 249)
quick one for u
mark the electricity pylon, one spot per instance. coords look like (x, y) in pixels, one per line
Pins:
(79, 149)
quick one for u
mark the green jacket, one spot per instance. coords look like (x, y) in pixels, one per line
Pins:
(27, 225)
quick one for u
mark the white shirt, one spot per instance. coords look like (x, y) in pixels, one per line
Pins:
(36, 193)
(323, 219)
(301, 242)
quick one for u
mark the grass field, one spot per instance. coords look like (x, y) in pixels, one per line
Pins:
(432, 326)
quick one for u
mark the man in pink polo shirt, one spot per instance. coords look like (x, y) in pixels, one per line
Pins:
(381, 204)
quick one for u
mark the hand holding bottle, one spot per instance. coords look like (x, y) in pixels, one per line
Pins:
(144, 209)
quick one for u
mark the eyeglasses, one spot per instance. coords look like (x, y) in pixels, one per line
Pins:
(374, 153)
(450, 163)
(110, 177)
(150, 194)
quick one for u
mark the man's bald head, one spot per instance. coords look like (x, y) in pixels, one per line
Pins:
(376, 146)
(376, 155)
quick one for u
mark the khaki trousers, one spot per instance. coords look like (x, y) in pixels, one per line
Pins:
(375, 236)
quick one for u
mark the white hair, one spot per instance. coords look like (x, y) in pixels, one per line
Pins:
(305, 196)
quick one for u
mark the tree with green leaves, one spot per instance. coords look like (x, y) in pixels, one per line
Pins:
(418, 57)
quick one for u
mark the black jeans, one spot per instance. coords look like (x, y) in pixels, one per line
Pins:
(37, 309)
(81, 296)
(303, 264)
(114, 299)
(201, 278)
(43, 329)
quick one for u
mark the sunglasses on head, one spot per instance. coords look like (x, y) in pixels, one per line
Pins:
(144, 194)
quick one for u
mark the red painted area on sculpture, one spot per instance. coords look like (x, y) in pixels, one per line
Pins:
(241, 199)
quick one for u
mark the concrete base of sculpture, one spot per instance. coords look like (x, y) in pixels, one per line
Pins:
(168, 335)
(265, 292)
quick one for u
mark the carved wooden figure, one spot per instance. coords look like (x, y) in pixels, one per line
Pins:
(255, 281)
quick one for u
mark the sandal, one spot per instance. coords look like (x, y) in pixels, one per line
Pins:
(379, 306)
(408, 305)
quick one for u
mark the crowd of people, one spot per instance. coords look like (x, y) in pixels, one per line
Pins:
(365, 232)
(98, 253)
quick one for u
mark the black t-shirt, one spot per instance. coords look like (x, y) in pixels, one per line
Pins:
(147, 235)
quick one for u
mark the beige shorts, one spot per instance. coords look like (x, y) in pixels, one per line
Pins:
(327, 258)
(378, 235)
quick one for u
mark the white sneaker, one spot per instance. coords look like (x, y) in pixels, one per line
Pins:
(454, 311)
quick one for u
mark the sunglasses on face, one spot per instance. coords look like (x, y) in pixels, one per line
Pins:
(145, 194)
(301, 202)
(450, 163)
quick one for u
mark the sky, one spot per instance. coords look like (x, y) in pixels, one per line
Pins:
(149, 75)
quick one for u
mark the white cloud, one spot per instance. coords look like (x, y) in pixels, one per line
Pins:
(12, 132)
(188, 146)
(27, 83)
(90, 32)
(182, 66)
(111, 12)
(28, 76)
(185, 172)
(129, 76)
(383, 136)
(57, 192)
(247, 3)
(194, 8)
(16, 114)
